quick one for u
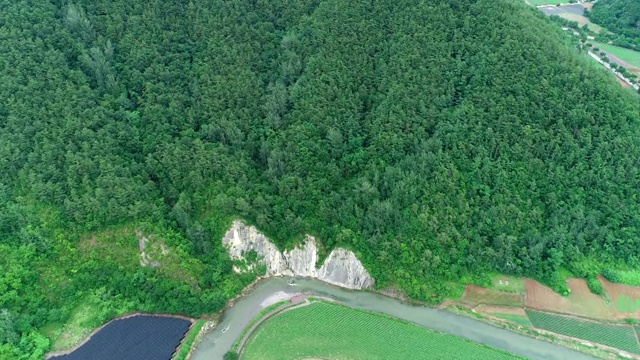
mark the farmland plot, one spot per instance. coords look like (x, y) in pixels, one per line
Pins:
(478, 295)
(330, 331)
(581, 301)
(619, 337)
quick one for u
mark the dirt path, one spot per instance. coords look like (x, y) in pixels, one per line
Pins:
(616, 60)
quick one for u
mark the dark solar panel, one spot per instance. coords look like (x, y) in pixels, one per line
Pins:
(136, 338)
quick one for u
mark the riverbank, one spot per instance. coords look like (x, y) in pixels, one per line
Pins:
(333, 330)
(216, 343)
(294, 302)
(586, 347)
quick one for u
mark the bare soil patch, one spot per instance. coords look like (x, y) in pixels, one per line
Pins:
(624, 299)
(581, 301)
(478, 295)
(588, 5)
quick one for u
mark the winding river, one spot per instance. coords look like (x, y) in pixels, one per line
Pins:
(269, 291)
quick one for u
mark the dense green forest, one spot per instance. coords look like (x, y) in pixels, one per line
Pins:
(440, 140)
(621, 17)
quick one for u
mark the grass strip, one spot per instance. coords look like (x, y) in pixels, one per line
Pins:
(520, 319)
(262, 313)
(188, 341)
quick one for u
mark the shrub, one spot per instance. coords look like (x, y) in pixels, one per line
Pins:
(595, 286)
(611, 275)
(230, 355)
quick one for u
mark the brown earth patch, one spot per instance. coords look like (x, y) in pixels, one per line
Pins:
(478, 295)
(588, 5)
(581, 301)
(623, 299)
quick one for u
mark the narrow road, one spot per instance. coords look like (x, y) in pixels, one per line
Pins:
(608, 66)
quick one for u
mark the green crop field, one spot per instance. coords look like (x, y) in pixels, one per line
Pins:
(620, 337)
(329, 331)
(522, 320)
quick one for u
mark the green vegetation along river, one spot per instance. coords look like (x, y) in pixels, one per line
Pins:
(216, 343)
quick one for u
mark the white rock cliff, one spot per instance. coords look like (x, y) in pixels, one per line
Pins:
(341, 267)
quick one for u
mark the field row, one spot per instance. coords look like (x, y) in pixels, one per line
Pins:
(333, 331)
(617, 336)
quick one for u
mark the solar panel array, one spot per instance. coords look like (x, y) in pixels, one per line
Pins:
(139, 337)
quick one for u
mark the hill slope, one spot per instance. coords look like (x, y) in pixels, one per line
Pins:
(438, 140)
(619, 16)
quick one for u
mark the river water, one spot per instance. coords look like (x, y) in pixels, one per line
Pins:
(216, 343)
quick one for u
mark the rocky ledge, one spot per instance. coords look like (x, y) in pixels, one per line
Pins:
(341, 267)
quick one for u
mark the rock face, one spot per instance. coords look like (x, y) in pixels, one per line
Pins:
(241, 239)
(341, 268)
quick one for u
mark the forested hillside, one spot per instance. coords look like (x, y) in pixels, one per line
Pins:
(620, 16)
(440, 140)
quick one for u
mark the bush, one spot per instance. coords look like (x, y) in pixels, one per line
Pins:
(612, 275)
(230, 355)
(595, 286)
(558, 284)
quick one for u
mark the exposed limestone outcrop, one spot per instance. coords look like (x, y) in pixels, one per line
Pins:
(341, 267)
(150, 251)
(242, 239)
